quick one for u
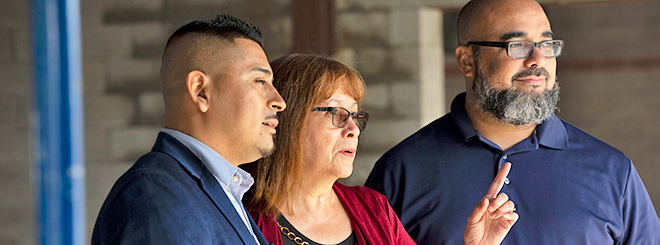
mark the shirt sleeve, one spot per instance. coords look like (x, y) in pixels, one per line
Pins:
(642, 225)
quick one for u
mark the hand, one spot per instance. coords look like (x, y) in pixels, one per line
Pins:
(493, 217)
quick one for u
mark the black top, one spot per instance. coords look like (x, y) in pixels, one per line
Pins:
(282, 222)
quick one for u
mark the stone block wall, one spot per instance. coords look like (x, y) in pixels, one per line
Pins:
(16, 211)
(608, 73)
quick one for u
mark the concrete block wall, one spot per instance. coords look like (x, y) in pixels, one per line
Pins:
(609, 75)
(16, 211)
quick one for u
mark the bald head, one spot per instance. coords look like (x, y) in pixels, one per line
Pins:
(477, 15)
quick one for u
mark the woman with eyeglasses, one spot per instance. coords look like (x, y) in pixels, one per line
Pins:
(296, 199)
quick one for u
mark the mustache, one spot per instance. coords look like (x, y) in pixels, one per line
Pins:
(271, 116)
(532, 72)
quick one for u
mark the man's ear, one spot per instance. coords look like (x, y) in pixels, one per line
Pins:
(465, 60)
(197, 85)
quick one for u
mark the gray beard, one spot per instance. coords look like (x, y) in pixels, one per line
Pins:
(512, 106)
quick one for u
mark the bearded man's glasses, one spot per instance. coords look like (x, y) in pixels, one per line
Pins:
(524, 49)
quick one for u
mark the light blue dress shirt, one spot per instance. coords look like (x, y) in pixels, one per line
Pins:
(234, 181)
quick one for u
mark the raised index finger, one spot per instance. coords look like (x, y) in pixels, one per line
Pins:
(498, 182)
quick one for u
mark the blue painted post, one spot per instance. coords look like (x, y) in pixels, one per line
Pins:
(58, 122)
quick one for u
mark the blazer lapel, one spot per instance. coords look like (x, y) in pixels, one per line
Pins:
(168, 144)
(257, 231)
(215, 192)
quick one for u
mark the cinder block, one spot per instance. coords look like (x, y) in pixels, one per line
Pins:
(14, 111)
(22, 45)
(91, 13)
(372, 60)
(405, 98)
(94, 77)
(406, 59)
(369, 25)
(17, 221)
(14, 146)
(385, 134)
(376, 97)
(108, 111)
(207, 2)
(152, 107)
(96, 145)
(16, 182)
(16, 79)
(134, 4)
(106, 42)
(356, 5)
(133, 73)
(130, 143)
(430, 27)
(608, 27)
(16, 204)
(404, 26)
(149, 39)
(347, 55)
(14, 11)
(6, 44)
(277, 36)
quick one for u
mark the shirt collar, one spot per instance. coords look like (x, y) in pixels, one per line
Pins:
(235, 179)
(461, 119)
(551, 133)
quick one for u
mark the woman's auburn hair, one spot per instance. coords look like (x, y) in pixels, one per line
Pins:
(303, 80)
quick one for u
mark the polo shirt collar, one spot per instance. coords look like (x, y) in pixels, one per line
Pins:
(461, 119)
(551, 133)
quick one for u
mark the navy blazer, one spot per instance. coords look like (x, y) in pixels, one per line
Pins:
(169, 197)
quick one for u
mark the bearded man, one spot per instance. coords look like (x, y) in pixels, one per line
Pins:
(569, 187)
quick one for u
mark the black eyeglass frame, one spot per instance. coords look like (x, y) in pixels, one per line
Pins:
(354, 115)
(506, 46)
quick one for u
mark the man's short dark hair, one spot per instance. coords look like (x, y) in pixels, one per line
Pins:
(224, 26)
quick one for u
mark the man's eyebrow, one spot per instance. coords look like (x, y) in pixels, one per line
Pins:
(261, 69)
(510, 35)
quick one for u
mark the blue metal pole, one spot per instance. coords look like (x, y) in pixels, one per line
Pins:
(58, 122)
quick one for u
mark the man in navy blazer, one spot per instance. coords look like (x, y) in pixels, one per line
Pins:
(220, 112)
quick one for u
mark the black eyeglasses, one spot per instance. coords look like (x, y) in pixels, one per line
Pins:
(340, 116)
(524, 49)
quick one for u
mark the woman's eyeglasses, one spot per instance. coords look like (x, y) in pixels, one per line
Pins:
(340, 116)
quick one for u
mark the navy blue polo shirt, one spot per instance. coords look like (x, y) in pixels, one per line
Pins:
(568, 186)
